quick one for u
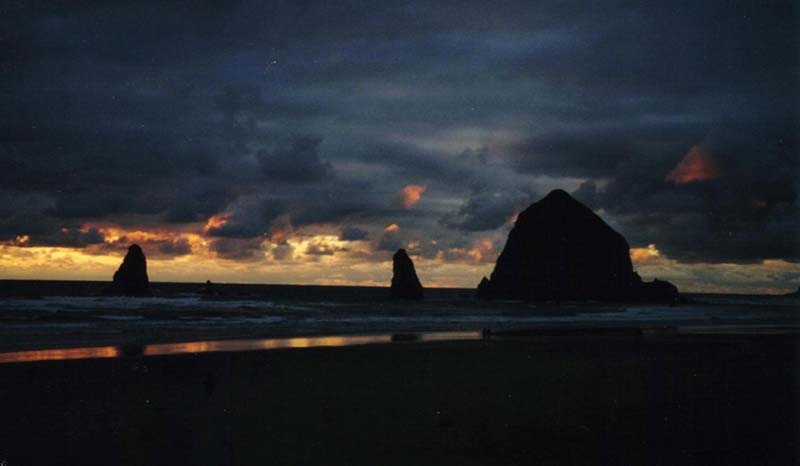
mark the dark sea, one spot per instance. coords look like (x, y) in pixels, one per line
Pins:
(53, 314)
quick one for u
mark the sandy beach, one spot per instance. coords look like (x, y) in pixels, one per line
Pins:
(545, 399)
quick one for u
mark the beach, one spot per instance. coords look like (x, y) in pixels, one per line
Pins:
(544, 398)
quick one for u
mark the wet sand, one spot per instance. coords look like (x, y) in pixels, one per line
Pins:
(667, 399)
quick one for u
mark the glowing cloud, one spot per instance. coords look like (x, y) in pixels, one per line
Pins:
(393, 228)
(277, 235)
(216, 222)
(483, 251)
(697, 165)
(411, 194)
(640, 255)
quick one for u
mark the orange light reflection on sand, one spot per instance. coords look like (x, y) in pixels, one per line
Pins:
(60, 354)
(263, 344)
(450, 336)
(213, 346)
(297, 342)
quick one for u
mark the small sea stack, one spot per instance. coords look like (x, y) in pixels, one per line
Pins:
(131, 277)
(559, 249)
(405, 283)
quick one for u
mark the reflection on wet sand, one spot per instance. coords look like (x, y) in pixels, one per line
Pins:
(60, 354)
(263, 344)
(732, 329)
(211, 346)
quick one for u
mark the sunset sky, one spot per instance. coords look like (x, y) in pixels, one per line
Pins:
(302, 142)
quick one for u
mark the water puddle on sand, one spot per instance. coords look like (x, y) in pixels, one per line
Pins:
(215, 346)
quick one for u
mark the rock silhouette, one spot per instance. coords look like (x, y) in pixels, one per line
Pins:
(483, 287)
(405, 283)
(560, 250)
(131, 277)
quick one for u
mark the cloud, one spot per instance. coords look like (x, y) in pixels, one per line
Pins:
(351, 233)
(696, 166)
(411, 194)
(390, 240)
(282, 251)
(248, 217)
(297, 161)
(480, 251)
(177, 247)
(319, 247)
(184, 122)
(486, 210)
(587, 152)
(646, 254)
(237, 249)
(745, 216)
(67, 237)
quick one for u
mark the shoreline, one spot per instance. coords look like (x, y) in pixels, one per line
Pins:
(23, 287)
(233, 344)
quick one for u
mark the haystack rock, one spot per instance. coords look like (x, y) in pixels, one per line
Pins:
(131, 277)
(560, 250)
(405, 283)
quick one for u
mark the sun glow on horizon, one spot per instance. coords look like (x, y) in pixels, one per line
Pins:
(639, 255)
(317, 257)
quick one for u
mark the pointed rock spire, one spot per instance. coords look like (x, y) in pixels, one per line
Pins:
(131, 277)
(405, 283)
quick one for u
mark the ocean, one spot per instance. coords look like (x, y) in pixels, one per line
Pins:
(52, 314)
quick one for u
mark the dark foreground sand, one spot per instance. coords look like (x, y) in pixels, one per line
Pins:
(615, 400)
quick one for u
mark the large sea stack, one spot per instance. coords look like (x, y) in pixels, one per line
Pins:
(560, 250)
(405, 283)
(131, 278)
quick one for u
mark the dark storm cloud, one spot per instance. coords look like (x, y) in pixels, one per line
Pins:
(389, 242)
(299, 161)
(251, 217)
(237, 249)
(594, 154)
(746, 213)
(68, 237)
(489, 210)
(177, 247)
(291, 114)
(351, 233)
(297, 205)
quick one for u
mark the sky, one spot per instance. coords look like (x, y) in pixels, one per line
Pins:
(304, 142)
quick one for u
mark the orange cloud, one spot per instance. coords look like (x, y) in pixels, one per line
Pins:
(640, 255)
(697, 165)
(216, 222)
(393, 228)
(482, 251)
(411, 194)
(277, 235)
